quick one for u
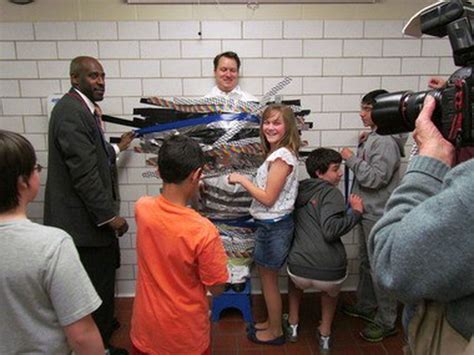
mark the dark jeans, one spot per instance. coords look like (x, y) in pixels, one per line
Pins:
(100, 264)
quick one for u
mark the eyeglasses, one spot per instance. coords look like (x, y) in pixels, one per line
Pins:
(366, 108)
(38, 168)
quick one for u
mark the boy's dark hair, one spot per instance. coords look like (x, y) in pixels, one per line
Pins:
(320, 159)
(230, 55)
(369, 98)
(178, 157)
(17, 159)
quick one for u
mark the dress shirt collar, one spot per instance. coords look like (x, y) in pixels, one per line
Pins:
(88, 102)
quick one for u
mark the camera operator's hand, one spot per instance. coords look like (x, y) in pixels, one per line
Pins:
(436, 83)
(429, 140)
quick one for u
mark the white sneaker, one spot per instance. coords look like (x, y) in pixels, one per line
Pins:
(291, 330)
(324, 343)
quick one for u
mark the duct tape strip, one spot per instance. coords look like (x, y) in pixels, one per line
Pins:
(278, 87)
(213, 104)
(197, 121)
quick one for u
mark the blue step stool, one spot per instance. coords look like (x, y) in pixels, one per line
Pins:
(232, 299)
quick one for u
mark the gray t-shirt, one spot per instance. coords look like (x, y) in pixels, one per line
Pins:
(43, 287)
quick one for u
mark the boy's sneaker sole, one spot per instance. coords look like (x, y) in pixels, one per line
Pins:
(352, 312)
(379, 338)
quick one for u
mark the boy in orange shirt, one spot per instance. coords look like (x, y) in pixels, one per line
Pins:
(180, 256)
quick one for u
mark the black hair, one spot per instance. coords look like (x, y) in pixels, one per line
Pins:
(320, 159)
(178, 157)
(369, 98)
(17, 160)
(230, 55)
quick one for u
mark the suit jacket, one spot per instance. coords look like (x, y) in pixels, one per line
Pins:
(81, 187)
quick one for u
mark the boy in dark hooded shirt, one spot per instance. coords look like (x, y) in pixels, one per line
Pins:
(317, 257)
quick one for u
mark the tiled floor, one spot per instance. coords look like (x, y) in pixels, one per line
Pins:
(229, 338)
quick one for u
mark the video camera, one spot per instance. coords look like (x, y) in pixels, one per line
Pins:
(453, 116)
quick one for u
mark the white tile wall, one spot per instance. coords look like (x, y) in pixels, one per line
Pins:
(39, 88)
(399, 83)
(36, 50)
(197, 87)
(282, 48)
(160, 49)
(263, 29)
(70, 49)
(420, 65)
(9, 88)
(221, 29)
(360, 84)
(12, 123)
(436, 47)
(21, 106)
(379, 66)
(383, 29)
(362, 48)
(302, 67)
(119, 49)
(343, 29)
(332, 63)
(162, 87)
(303, 29)
(96, 30)
(179, 30)
(245, 48)
(401, 48)
(322, 85)
(139, 68)
(342, 67)
(7, 50)
(55, 30)
(138, 30)
(262, 67)
(54, 69)
(36, 124)
(16, 31)
(119, 87)
(322, 48)
(200, 48)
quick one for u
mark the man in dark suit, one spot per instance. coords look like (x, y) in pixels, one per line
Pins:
(82, 189)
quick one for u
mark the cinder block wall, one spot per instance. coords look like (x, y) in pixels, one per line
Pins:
(332, 63)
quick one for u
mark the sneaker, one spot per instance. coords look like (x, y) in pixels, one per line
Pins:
(353, 311)
(290, 330)
(325, 343)
(375, 333)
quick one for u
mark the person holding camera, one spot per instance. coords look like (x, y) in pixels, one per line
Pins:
(422, 247)
(376, 168)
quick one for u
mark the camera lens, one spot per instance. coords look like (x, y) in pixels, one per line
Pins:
(397, 112)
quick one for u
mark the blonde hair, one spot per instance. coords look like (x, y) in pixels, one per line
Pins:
(291, 139)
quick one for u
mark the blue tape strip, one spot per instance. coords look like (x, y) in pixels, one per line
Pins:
(197, 121)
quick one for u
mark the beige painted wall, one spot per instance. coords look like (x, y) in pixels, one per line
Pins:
(90, 10)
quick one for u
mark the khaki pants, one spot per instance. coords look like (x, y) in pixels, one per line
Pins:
(429, 333)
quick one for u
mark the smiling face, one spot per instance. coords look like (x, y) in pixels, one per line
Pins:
(90, 79)
(226, 74)
(273, 128)
(333, 175)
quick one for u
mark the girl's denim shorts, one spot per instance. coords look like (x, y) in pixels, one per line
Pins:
(272, 242)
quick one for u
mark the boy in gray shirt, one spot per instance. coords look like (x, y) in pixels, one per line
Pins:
(45, 293)
(376, 174)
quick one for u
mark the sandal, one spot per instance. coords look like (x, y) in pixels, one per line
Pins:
(252, 336)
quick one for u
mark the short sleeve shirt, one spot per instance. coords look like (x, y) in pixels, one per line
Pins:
(286, 200)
